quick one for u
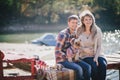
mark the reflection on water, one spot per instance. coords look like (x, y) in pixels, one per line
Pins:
(111, 42)
(112, 75)
(111, 45)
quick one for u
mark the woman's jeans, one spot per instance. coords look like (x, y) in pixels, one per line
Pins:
(82, 69)
(98, 72)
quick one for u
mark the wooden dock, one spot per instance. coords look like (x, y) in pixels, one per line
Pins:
(113, 63)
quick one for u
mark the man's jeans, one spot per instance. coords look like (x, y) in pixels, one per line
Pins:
(82, 69)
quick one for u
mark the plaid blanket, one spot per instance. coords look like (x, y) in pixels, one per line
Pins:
(64, 74)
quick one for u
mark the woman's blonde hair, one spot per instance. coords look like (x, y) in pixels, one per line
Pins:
(81, 28)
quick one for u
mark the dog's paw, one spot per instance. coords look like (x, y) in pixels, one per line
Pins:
(59, 66)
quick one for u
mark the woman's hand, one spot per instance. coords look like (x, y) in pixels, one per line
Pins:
(96, 60)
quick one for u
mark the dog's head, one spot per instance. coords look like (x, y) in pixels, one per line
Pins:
(76, 43)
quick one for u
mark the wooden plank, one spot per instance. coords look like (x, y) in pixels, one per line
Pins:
(113, 61)
(113, 66)
(19, 78)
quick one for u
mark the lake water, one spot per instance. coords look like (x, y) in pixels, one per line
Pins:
(111, 42)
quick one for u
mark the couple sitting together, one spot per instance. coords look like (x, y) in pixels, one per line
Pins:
(79, 48)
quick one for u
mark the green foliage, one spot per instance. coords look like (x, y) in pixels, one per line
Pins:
(9, 10)
(113, 5)
(49, 11)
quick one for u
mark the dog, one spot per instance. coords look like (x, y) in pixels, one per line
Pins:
(75, 46)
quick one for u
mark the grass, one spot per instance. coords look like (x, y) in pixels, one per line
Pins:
(19, 37)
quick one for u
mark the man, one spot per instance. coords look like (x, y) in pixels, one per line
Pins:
(63, 42)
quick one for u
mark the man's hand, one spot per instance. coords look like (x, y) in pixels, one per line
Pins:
(77, 56)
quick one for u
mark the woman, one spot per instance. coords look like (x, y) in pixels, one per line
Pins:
(90, 36)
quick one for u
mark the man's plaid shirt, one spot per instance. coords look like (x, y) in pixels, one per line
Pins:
(63, 42)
